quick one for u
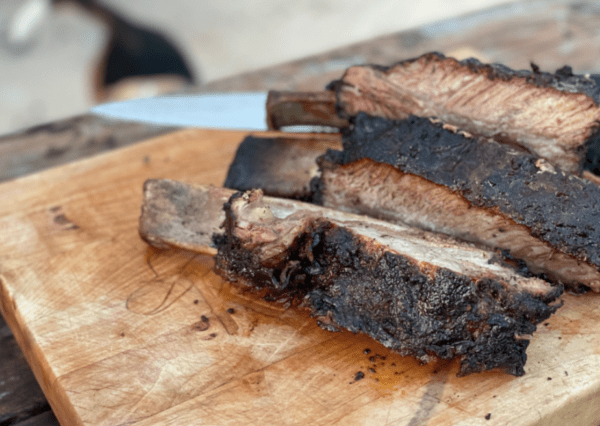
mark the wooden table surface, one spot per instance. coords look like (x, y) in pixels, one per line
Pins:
(549, 33)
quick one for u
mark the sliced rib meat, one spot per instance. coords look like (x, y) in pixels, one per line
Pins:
(474, 189)
(385, 192)
(382, 191)
(418, 293)
(554, 116)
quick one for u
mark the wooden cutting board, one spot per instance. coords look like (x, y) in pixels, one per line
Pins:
(120, 333)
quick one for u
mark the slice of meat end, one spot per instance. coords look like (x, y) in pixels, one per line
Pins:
(180, 215)
(384, 192)
(186, 216)
(285, 109)
(507, 190)
(554, 116)
(281, 167)
(417, 293)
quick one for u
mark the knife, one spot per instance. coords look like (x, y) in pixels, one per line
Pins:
(238, 111)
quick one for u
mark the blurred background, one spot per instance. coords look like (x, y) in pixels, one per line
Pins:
(60, 57)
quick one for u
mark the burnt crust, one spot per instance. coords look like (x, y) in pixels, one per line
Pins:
(558, 208)
(423, 312)
(562, 79)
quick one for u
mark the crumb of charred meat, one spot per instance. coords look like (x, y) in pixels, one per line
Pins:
(492, 188)
(419, 294)
(281, 167)
(554, 116)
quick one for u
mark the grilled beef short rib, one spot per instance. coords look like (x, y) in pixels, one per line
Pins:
(418, 293)
(554, 116)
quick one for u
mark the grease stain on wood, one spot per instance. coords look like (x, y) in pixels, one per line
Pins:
(59, 221)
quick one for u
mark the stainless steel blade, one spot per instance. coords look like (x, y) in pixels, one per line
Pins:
(242, 111)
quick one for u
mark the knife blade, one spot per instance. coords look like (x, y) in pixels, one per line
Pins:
(238, 111)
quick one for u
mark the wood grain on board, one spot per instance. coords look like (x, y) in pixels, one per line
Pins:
(120, 333)
(64, 141)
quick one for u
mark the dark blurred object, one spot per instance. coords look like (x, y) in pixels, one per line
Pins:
(138, 61)
(22, 399)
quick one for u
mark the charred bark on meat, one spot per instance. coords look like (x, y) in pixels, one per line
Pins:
(281, 167)
(413, 307)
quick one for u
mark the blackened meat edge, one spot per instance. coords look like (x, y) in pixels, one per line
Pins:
(352, 281)
(558, 208)
(554, 115)
(281, 166)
